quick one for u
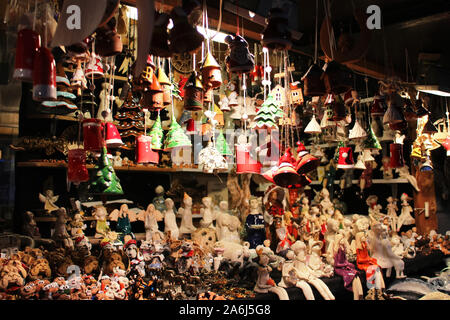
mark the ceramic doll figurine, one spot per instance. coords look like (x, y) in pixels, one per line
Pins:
(283, 240)
(255, 223)
(227, 225)
(101, 224)
(325, 203)
(386, 168)
(186, 215)
(346, 270)
(302, 271)
(315, 263)
(330, 175)
(264, 282)
(403, 172)
(289, 278)
(158, 201)
(170, 222)
(30, 228)
(304, 206)
(374, 277)
(123, 217)
(49, 199)
(135, 258)
(374, 208)
(60, 234)
(392, 209)
(117, 160)
(151, 216)
(330, 234)
(381, 250)
(208, 213)
(77, 226)
(405, 218)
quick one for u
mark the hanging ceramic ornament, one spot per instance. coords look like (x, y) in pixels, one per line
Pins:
(28, 43)
(296, 96)
(276, 34)
(44, 75)
(360, 163)
(104, 179)
(112, 136)
(183, 36)
(78, 81)
(76, 165)
(211, 73)
(144, 80)
(160, 40)
(193, 93)
(166, 85)
(92, 135)
(350, 97)
(211, 160)
(104, 111)
(345, 160)
(446, 145)
(222, 145)
(268, 175)
(286, 176)
(176, 137)
(305, 161)
(245, 163)
(357, 132)
(156, 93)
(108, 42)
(157, 134)
(223, 103)
(267, 116)
(371, 142)
(144, 152)
(65, 98)
(312, 82)
(94, 68)
(239, 60)
(326, 122)
(393, 114)
(313, 126)
(336, 79)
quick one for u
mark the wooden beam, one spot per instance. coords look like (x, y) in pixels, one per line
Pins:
(444, 16)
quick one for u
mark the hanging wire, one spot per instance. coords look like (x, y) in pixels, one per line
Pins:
(315, 40)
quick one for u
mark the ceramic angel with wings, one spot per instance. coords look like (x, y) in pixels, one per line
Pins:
(123, 217)
(49, 200)
(151, 216)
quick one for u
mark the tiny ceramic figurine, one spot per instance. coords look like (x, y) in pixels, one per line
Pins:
(30, 228)
(315, 263)
(289, 278)
(265, 283)
(135, 258)
(123, 217)
(101, 224)
(374, 208)
(60, 235)
(405, 218)
(325, 203)
(117, 160)
(381, 250)
(158, 201)
(392, 209)
(330, 175)
(227, 225)
(151, 216)
(186, 215)
(386, 168)
(77, 226)
(208, 213)
(170, 222)
(403, 172)
(49, 199)
(255, 223)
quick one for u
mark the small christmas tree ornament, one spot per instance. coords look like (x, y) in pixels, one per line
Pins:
(144, 152)
(176, 137)
(104, 179)
(336, 79)
(239, 60)
(286, 176)
(93, 135)
(28, 43)
(211, 73)
(183, 36)
(305, 161)
(267, 116)
(44, 75)
(222, 145)
(193, 93)
(166, 85)
(157, 134)
(371, 142)
(160, 39)
(345, 158)
(276, 35)
(313, 85)
(76, 166)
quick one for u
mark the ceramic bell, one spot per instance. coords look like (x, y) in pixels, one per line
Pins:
(160, 39)
(211, 73)
(166, 85)
(313, 126)
(313, 85)
(339, 109)
(156, 93)
(183, 36)
(305, 162)
(393, 115)
(244, 161)
(360, 163)
(44, 75)
(112, 136)
(367, 155)
(94, 68)
(357, 132)
(239, 60)
(276, 35)
(193, 93)
(28, 43)
(345, 160)
(446, 145)
(92, 135)
(144, 152)
(336, 79)
(108, 42)
(286, 176)
(397, 160)
(76, 166)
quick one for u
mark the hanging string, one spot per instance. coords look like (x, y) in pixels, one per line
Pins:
(315, 41)
(244, 89)
(35, 14)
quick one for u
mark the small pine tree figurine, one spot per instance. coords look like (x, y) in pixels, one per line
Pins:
(267, 115)
(157, 135)
(222, 145)
(105, 180)
(176, 137)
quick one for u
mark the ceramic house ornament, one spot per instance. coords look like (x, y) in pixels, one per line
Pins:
(166, 85)
(239, 59)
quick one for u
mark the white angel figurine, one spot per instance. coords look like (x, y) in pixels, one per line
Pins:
(151, 216)
(403, 172)
(49, 200)
(405, 217)
(185, 212)
(170, 221)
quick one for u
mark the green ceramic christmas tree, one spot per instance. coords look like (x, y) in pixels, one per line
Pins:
(267, 115)
(157, 135)
(371, 142)
(176, 137)
(105, 180)
(222, 145)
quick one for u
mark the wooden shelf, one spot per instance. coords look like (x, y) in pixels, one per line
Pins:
(52, 116)
(374, 181)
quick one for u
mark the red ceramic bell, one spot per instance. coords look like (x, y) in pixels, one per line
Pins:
(28, 43)
(92, 135)
(269, 174)
(397, 160)
(345, 160)
(377, 108)
(144, 152)
(211, 73)
(112, 138)
(306, 162)
(286, 176)
(244, 162)
(76, 166)
(44, 76)
(94, 69)
(193, 93)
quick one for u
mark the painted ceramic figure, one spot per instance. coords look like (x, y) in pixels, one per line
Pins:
(208, 213)
(405, 218)
(392, 209)
(186, 215)
(158, 201)
(170, 222)
(264, 282)
(101, 223)
(123, 217)
(255, 224)
(151, 216)
(60, 234)
(348, 272)
(49, 200)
